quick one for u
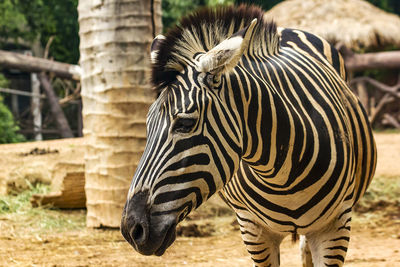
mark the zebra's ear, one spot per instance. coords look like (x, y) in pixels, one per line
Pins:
(226, 54)
(155, 46)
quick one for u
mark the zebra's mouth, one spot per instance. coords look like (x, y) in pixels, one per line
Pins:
(155, 242)
(169, 238)
(149, 234)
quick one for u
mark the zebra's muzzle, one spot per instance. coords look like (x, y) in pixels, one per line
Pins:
(169, 238)
(147, 234)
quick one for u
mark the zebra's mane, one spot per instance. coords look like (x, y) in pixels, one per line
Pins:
(203, 30)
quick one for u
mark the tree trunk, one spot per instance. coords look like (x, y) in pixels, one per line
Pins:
(115, 46)
(35, 107)
(55, 108)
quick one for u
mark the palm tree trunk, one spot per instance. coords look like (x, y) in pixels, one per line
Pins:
(115, 42)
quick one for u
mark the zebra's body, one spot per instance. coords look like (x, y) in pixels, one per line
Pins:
(261, 202)
(263, 116)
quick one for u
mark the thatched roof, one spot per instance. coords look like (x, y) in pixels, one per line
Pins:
(355, 23)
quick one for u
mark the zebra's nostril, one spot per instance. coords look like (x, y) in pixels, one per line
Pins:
(135, 224)
(138, 234)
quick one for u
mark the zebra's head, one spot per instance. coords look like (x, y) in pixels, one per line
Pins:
(194, 142)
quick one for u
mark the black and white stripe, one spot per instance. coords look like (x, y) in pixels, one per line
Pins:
(265, 117)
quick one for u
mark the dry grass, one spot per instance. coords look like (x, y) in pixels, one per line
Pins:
(380, 205)
(17, 213)
(382, 200)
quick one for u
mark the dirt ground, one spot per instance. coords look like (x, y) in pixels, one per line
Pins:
(375, 239)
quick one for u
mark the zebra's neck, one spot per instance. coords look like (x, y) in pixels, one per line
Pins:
(266, 121)
(284, 128)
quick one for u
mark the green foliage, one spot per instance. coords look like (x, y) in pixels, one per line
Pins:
(18, 209)
(173, 10)
(21, 202)
(12, 21)
(8, 127)
(59, 19)
(383, 193)
(31, 20)
(387, 5)
(3, 81)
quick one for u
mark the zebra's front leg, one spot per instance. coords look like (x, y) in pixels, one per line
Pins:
(328, 245)
(262, 244)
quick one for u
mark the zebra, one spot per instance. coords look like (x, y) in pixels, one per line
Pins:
(261, 115)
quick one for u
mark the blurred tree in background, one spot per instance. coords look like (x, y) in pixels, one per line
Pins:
(173, 10)
(8, 127)
(387, 5)
(30, 22)
(27, 21)
(3, 81)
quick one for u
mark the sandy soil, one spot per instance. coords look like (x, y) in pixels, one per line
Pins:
(369, 247)
(375, 239)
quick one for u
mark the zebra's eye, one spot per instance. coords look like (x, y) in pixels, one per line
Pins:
(212, 81)
(184, 125)
(209, 79)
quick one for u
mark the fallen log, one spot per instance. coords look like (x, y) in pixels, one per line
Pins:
(35, 64)
(67, 188)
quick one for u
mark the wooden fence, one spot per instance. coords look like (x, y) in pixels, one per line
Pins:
(381, 101)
